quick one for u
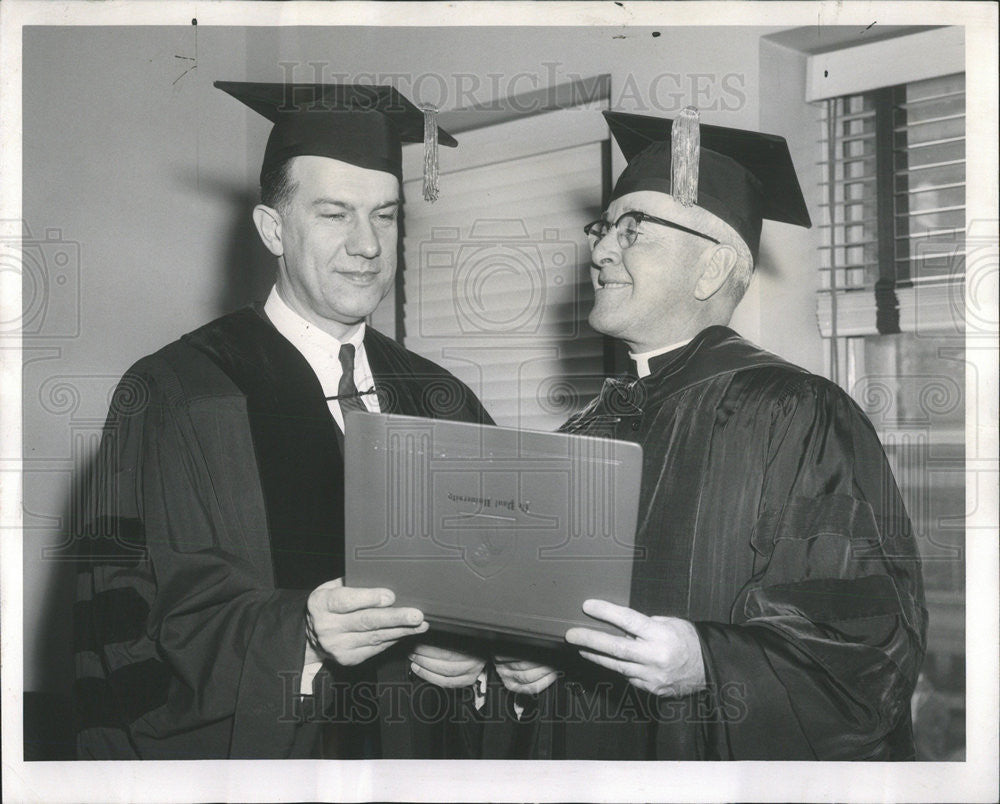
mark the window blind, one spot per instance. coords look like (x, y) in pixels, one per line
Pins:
(496, 282)
(893, 209)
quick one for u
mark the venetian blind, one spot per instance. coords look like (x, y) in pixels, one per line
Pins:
(496, 282)
(893, 209)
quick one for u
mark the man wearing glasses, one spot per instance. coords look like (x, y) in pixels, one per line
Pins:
(776, 603)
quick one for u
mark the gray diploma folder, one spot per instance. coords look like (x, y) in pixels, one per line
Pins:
(490, 530)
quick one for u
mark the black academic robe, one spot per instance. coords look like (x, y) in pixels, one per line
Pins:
(217, 508)
(768, 517)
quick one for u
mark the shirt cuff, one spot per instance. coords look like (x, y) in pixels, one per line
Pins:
(309, 672)
(479, 690)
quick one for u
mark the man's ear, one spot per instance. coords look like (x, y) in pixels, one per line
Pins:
(717, 265)
(268, 223)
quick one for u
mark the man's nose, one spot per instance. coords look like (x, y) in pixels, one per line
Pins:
(364, 241)
(606, 251)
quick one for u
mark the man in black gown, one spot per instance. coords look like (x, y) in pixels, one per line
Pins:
(776, 603)
(211, 618)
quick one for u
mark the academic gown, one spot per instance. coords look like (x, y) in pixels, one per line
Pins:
(217, 508)
(769, 518)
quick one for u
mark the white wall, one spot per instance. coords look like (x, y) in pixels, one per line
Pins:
(153, 175)
(787, 279)
(144, 176)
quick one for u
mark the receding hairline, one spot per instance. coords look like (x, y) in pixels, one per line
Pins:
(293, 181)
(289, 163)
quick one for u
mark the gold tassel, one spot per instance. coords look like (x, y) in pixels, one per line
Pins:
(685, 152)
(430, 153)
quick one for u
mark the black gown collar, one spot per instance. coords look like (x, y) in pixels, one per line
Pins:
(714, 351)
(298, 455)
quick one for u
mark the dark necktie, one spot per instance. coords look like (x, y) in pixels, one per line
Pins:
(347, 391)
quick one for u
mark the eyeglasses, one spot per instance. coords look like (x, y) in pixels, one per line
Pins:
(627, 228)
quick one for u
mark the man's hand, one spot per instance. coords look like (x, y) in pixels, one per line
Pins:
(523, 675)
(352, 625)
(661, 655)
(445, 667)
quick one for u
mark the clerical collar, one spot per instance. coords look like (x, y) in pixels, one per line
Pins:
(304, 333)
(642, 359)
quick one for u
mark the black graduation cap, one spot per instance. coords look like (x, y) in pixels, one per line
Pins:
(359, 124)
(740, 176)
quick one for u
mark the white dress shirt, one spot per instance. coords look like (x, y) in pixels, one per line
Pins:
(322, 351)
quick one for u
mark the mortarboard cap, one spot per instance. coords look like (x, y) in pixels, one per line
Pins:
(360, 124)
(741, 176)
